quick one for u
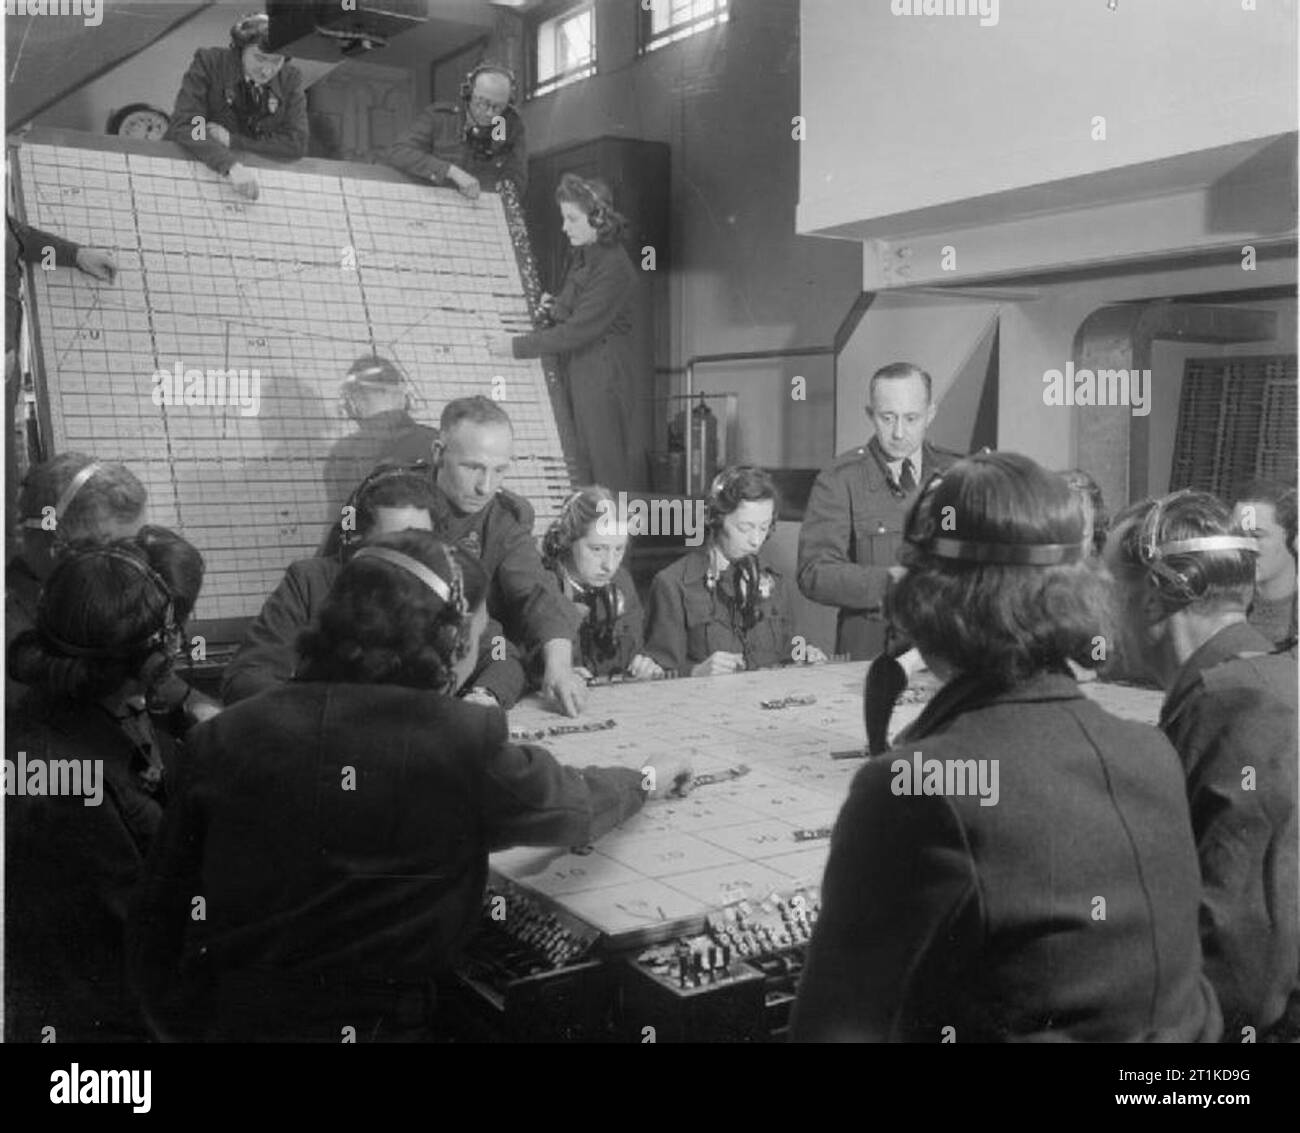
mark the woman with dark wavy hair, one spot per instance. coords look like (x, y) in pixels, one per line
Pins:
(1020, 867)
(85, 780)
(589, 326)
(338, 826)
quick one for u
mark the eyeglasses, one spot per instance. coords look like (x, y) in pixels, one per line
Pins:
(492, 106)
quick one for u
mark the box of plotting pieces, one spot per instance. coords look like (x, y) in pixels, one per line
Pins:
(531, 974)
(535, 973)
(734, 982)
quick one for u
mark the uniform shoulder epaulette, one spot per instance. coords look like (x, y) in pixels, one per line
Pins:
(851, 457)
(517, 507)
(1236, 671)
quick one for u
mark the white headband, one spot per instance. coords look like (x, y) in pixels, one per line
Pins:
(410, 565)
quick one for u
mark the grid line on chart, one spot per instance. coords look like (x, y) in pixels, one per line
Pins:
(209, 282)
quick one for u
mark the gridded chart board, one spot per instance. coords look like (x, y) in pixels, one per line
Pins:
(661, 872)
(322, 269)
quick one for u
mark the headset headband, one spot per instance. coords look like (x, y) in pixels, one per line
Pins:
(486, 68)
(127, 649)
(449, 594)
(69, 494)
(1153, 551)
(1004, 554)
(988, 551)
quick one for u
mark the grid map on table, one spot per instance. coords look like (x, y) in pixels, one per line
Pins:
(210, 281)
(674, 862)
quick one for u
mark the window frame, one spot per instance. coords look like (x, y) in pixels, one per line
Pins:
(556, 13)
(649, 41)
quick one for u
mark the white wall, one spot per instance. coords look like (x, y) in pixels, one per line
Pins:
(904, 112)
(936, 333)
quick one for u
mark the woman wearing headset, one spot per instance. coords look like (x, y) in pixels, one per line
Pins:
(717, 609)
(584, 551)
(338, 826)
(88, 769)
(1024, 869)
(591, 324)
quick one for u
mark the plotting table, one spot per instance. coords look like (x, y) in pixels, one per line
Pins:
(333, 261)
(664, 869)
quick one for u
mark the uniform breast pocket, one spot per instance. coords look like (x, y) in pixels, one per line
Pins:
(706, 632)
(769, 640)
(878, 542)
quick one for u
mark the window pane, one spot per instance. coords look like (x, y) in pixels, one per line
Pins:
(671, 20)
(566, 49)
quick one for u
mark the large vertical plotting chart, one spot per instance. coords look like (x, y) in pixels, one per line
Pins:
(332, 262)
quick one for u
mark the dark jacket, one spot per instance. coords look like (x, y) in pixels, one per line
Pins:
(594, 316)
(852, 531)
(70, 870)
(26, 245)
(269, 654)
(389, 437)
(339, 835)
(213, 89)
(1233, 708)
(1276, 621)
(22, 593)
(939, 912)
(607, 648)
(521, 596)
(436, 141)
(689, 619)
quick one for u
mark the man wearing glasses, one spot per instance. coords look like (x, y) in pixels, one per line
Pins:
(853, 526)
(473, 144)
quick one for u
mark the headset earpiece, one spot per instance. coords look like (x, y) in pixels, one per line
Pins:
(467, 84)
(722, 500)
(1189, 583)
(157, 647)
(1171, 584)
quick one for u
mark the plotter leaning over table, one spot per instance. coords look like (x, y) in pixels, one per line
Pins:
(1024, 869)
(338, 826)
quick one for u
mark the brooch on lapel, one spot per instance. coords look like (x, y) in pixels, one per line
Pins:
(472, 544)
(272, 104)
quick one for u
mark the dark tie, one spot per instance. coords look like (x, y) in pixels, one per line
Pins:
(906, 480)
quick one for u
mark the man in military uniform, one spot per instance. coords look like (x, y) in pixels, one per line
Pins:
(1185, 575)
(473, 144)
(465, 505)
(853, 526)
